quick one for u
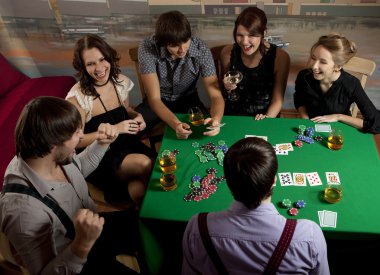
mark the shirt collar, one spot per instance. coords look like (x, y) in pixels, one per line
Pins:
(41, 185)
(262, 209)
(192, 52)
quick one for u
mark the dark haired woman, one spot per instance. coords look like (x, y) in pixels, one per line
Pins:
(264, 66)
(101, 96)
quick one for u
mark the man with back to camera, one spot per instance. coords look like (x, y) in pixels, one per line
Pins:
(246, 235)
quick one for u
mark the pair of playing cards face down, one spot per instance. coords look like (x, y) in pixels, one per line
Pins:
(299, 179)
(327, 218)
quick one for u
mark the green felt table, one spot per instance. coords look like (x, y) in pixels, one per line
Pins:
(357, 163)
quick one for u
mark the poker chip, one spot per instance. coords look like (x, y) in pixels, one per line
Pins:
(300, 204)
(175, 152)
(195, 144)
(298, 143)
(286, 203)
(305, 139)
(318, 138)
(293, 211)
(196, 178)
(309, 132)
(301, 129)
(211, 171)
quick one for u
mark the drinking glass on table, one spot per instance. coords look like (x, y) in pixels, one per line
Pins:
(196, 116)
(233, 77)
(335, 140)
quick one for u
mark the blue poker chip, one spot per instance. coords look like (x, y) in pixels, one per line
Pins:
(300, 204)
(196, 178)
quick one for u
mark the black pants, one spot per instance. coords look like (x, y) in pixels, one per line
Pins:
(120, 235)
(181, 105)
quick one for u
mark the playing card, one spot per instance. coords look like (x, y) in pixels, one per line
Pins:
(322, 127)
(299, 179)
(285, 179)
(285, 146)
(280, 152)
(332, 177)
(216, 126)
(262, 137)
(329, 218)
(313, 179)
(320, 217)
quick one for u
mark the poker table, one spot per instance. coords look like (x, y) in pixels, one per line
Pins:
(164, 214)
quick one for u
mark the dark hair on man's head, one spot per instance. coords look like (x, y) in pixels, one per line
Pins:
(45, 122)
(90, 41)
(255, 21)
(172, 28)
(250, 166)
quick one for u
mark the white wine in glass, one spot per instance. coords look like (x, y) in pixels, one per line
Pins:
(233, 77)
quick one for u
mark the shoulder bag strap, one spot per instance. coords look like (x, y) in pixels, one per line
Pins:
(61, 214)
(282, 247)
(203, 229)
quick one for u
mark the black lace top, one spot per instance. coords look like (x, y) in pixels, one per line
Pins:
(256, 88)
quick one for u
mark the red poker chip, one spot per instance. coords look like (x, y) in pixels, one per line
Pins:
(293, 211)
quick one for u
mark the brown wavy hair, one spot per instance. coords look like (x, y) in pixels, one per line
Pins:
(90, 41)
(255, 21)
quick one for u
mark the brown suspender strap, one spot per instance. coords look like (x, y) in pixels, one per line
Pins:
(281, 248)
(203, 229)
(275, 260)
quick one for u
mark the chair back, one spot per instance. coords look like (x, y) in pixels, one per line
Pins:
(216, 51)
(361, 68)
(133, 54)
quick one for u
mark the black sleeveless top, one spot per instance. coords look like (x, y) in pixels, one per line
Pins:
(124, 144)
(256, 88)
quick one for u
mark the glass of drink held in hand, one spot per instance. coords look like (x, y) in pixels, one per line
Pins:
(196, 116)
(233, 77)
(335, 140)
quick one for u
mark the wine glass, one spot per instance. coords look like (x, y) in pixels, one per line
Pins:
(233, 77)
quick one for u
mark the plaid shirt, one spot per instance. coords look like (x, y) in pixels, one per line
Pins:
(178, 78)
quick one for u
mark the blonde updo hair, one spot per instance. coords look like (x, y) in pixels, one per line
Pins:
(341, 49)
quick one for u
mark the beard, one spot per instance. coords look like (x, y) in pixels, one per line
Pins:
(62, 159)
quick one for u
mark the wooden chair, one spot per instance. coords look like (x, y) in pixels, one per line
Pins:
(154, 135)
(216, 52)
(361, 68)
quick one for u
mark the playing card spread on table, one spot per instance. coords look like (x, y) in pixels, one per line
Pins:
(285, 146)
(313, 179)
(327, 218)
(299, 179)
(285, 179)
(280, 152)
(332, 177)
(322, 127)
(262, 137)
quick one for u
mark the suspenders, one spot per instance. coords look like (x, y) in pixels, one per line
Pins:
(31, 191)
(274, 261)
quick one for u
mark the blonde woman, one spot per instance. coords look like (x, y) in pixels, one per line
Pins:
(325, 92)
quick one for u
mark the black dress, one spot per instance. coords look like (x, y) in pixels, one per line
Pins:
(105, 176)
(256, 88)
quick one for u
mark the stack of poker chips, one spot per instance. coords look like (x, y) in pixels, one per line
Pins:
(293, 211)
(203, 188)
(305, 134)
